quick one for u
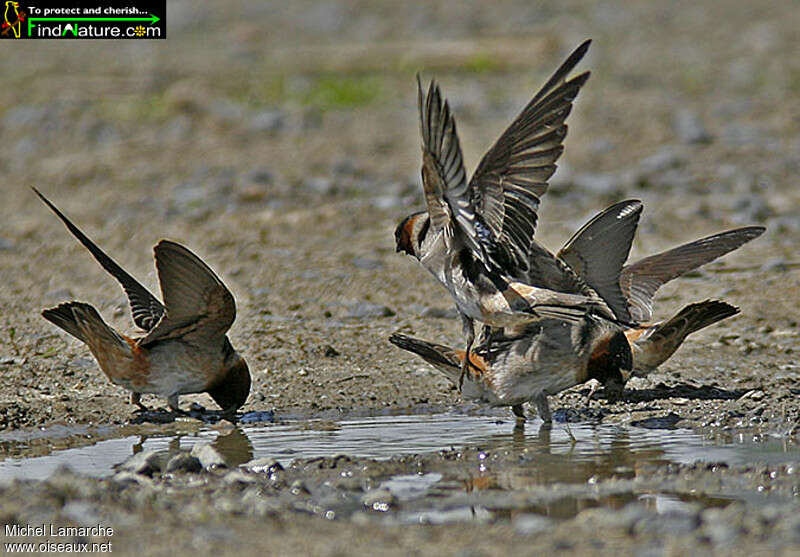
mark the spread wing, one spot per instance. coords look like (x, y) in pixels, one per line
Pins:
(494, 214)
(640, 281)
(146, 309)
(444, 179)
(513, 175)
(598, 251)
(199, 308)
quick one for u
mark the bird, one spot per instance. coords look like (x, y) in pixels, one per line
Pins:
(15, 25)
(185, 348)
(476, 237)
(652, 343)
(544, 358)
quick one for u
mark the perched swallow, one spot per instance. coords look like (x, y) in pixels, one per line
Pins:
(476, 236)
(653, 344)
(185, 348)
(548, 356)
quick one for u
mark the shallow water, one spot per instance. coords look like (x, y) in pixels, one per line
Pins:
(573, 454)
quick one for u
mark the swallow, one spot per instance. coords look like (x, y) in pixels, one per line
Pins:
(653, 343)
(184, 349)
(546, 357)
(476, 236)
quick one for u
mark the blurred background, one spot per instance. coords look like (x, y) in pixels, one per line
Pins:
(279, 140)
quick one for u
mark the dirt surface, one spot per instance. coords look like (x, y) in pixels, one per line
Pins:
(282, 147)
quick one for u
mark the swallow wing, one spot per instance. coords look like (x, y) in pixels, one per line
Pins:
(199, 308)
(145, 307)
(513, 175)
(640, 281)
(598, 251)
(444, 179)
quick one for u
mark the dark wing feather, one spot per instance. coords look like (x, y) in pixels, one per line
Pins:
(512, 176)
(598, 251)
(641, 280)
(444, 179)
(146, 309)
(199, 308)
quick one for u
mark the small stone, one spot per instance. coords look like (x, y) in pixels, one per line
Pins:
(751, 208)
(439, 313)
(532, 524)
(184, 462)
(145, 463)
(208, 456)
(298, 487)
(6, 245)
(320, 185)
(267, 122)
(689, 127)
(366, 263)
(238, 477)
(366, 310)
(261, 176)
(380, 499)
(264, 465)
(777, 264)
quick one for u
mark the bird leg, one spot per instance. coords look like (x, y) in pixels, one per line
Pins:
(136, 398)
(595, 384)
(543, 408)
(518, 412)
(469, 331)
(172, 402)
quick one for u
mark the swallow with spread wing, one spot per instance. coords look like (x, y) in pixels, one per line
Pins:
(476, 236)
(184, 349)
(587, 255)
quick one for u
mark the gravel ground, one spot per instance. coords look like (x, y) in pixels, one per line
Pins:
(282, 147)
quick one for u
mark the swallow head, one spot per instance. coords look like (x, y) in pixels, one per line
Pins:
(611, 362)
(411, 232)
(230, 392)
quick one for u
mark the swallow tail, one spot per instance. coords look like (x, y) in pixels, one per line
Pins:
(84, 323)
(660, 342)
(441, 357)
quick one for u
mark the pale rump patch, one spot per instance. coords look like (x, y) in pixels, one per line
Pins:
(633, 334)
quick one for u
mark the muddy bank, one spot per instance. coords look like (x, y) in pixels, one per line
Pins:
(473, 501)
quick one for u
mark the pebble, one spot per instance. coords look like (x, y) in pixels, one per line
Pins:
(689, 127)
(184, 462)
(439, 313)
(208, 456)
(366, 263)
(264, 465)
(751, 208)
(531, 524)
(777, 264)
(380, 499)
(366, 310)
(267, 122)
(145, 463)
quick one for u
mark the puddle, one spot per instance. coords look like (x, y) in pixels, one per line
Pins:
(582, 453)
